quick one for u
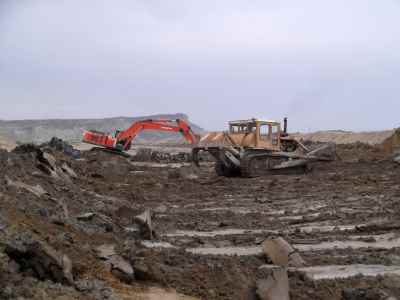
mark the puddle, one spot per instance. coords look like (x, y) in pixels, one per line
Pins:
(301, 217)
(309, 208)
(153, 293)
(153, 244)
(239, 210)
(384, 241)
(334, 272)
(230, 251)
(159, 165)
(245, 210)
(189, 233)
(328, 228)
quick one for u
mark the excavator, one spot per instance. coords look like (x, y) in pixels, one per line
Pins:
(121, 141)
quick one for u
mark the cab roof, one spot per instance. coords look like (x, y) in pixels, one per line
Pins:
(252, 121)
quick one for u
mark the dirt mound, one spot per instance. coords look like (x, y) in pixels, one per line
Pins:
(347, 137)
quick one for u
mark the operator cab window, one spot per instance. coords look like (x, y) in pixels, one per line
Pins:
(275, 134)
(265, 132)
(243, 128)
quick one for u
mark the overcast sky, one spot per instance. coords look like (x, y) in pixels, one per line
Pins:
(324, 64)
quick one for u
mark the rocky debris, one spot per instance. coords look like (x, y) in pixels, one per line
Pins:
(105, 251)
(366, 294)
(67, 169)
(62, 146)
(275, 286)
(121, 268)
(148, 154)
(282, 253)
(37, 190)
(96, 289)
(41, 258)
(161, 209)
(3, 222)
(117, 265)
(396, 158)
(142, 269)
(49, 165)
(188, 173)
(86, 216)
(144, 223)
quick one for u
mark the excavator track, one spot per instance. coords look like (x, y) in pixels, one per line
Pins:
(255, 165)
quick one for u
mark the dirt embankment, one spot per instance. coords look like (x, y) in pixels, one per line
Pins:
(347, 137)
(69, 227)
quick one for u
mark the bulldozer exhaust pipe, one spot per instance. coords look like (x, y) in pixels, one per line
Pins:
(285, 125)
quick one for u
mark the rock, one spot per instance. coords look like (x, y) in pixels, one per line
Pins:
(162, 209)
(85, 217)
(142, 270)
(37, 190)
(188, 173)
(121, 268)
(3, 222)
(282, 253)
(117, 265)
(145, 225)
(45, 261)
(365, 294)
(397, 159)
(275, 286)
(50, 160)
(71, 173)
(105, 251)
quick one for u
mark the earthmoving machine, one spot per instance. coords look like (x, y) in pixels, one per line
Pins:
(256, 147)
(122, 140)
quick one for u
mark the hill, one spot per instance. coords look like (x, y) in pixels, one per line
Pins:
(39, 131)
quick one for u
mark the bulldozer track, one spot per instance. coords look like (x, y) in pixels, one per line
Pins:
(264, 164)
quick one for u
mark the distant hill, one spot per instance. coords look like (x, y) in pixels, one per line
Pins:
(347, 137)
(39, 131)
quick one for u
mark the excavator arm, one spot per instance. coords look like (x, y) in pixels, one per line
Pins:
(122, 140)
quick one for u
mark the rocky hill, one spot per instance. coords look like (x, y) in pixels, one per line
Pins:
(38, 131)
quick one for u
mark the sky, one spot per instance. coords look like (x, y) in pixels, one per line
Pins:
(323, 64)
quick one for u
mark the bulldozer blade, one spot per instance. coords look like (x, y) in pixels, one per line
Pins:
(289, 164)
(324, 153)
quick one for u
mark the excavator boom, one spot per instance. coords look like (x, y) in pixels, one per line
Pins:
(122, 140)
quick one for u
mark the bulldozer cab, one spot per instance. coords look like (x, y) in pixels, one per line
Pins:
(255, 133)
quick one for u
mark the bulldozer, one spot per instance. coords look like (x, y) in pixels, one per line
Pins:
(257, 147)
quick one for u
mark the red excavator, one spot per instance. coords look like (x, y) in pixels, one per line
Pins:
(122, 140)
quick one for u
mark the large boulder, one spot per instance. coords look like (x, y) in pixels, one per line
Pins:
(282, 253)
(121, 268)
(144, 223)
(41, 258)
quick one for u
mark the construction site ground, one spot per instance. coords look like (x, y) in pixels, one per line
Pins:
(343, 217)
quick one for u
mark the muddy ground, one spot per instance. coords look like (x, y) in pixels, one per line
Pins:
(343, 218)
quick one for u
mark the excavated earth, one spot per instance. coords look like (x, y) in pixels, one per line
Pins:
(343, 217)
